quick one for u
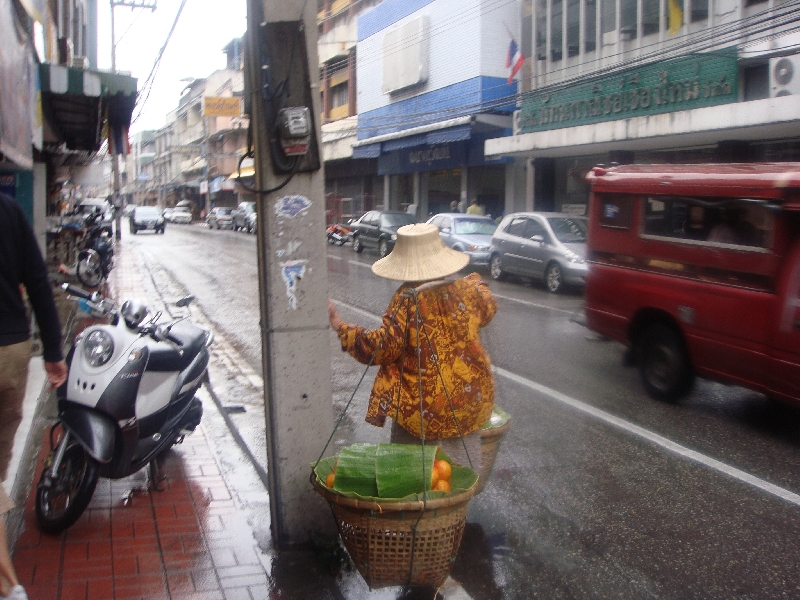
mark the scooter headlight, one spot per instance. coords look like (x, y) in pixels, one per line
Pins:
(98, 348)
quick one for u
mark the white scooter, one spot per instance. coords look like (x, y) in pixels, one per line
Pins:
(130, 396)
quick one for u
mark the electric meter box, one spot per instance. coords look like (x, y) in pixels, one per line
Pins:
(294, 124)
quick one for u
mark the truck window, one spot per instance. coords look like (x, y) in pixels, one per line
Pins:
(712, 221)
(616, 211)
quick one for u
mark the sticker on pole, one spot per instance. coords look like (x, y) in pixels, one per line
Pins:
(291, 206)
(292, 272)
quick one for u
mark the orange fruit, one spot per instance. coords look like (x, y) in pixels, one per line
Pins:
(330, 479)
(443, 486)
(444, 469)
(434, 478)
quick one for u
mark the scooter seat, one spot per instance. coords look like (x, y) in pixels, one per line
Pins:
(166, 357)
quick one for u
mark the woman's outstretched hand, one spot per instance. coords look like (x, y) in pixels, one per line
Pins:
(333, 316)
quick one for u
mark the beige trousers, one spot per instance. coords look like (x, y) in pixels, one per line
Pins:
(13, 379)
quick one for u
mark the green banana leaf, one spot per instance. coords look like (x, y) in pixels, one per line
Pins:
(362, 482)
(355, 470)
(400, 469)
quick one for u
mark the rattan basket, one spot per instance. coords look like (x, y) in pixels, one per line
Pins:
(400, 543)
(490, 444)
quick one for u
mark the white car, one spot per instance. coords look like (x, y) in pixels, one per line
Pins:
(181, 215)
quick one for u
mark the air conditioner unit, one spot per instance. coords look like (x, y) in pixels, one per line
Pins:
(784, 76)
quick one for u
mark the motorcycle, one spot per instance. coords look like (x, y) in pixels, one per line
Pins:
(129, 397)
(338, 234)
(96, 258)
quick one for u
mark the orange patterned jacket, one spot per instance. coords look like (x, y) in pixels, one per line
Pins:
(452, 314)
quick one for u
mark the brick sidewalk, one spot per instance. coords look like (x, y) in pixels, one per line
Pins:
(191, 540)
(187, 541)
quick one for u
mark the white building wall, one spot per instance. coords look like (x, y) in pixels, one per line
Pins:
(454, 54)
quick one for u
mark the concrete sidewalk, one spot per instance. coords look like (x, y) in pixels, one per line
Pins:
(203, 531)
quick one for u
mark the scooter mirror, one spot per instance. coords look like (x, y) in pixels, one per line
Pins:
(185, 301)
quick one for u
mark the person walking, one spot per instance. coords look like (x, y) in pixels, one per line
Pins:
(437, 322)
(21, 265)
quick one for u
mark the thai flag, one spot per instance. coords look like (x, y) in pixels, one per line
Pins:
(514, 60)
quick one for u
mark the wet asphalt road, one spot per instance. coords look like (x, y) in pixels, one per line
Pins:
(598, 491)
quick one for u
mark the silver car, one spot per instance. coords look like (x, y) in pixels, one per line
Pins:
(544, 246)
(471, 234)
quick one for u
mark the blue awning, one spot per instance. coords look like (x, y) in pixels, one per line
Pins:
(453, 134)
(371, 151)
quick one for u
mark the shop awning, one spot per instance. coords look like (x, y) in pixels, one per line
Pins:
(244, 172)
(78, 103)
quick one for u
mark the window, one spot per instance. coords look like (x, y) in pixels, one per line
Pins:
(541, 29)
(339, 96)
(568, 229)
(517, 226)
(573, 27)
(725, 221)
(590, 33)
(534, 227)
(608, 17)
(699, 10)
(616, 211)
(650, 17)
(556, 30)
(628, 18)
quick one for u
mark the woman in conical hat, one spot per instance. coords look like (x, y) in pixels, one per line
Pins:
(441, 317)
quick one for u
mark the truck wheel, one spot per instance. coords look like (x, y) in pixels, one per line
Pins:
(357, 247)
(554, 278)
(61, 501)
(664, 364)
(496, 268)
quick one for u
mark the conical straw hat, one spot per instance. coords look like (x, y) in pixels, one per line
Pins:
(419, 255)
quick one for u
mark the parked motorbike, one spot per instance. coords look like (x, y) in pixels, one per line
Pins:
(338, 234)
(96, 258)
(129, 397)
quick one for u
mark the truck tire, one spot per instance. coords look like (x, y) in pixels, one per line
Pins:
(664, 363)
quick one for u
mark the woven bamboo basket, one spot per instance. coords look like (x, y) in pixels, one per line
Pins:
(400, 543)
(490, 445)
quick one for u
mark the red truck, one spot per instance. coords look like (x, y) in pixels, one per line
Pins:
(697, 269)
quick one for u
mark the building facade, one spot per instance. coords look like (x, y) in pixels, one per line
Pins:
(432, 86)
(648, 81)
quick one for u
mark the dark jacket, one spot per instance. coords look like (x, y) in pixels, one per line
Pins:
(21, 262)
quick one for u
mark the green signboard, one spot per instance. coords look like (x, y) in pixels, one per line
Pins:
(694, 81)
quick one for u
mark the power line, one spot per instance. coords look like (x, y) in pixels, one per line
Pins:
(148, 84)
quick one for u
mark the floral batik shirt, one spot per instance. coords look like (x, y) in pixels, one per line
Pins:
(453, 373)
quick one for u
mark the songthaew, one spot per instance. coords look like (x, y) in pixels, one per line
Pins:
(697, 269)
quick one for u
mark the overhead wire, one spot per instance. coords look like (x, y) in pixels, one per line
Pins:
(147, 87)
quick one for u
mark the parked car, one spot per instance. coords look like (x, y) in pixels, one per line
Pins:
(244, 217)
(546, 246)
(181, 214)
(378, 229)
(220, 217)
(168, 214)
(468, 233)
(147, 218)
(128, 210)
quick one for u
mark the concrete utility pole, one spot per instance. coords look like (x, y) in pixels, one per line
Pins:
(281, 72)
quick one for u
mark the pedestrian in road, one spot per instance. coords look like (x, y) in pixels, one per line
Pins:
(474, 208)
(442, 325)
(21, 265)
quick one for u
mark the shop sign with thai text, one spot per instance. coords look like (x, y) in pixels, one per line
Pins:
(695, 81)
(216, 106)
